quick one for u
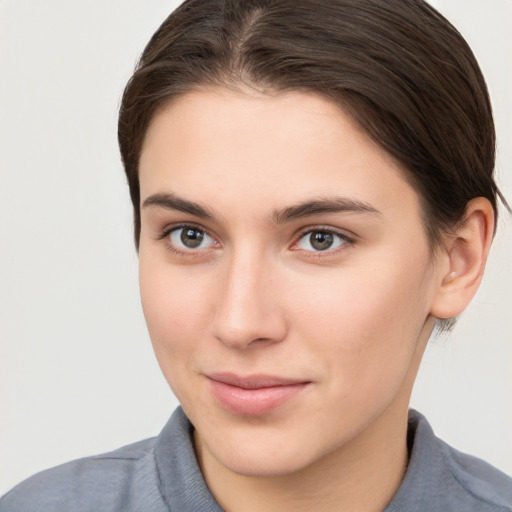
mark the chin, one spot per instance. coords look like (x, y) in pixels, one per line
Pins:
(257, 464)
(262, 452)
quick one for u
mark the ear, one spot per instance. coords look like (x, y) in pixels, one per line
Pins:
(462, 260)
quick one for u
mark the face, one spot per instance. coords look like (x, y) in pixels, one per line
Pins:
(285, 274)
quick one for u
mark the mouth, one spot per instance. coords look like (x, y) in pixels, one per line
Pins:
(254, 395)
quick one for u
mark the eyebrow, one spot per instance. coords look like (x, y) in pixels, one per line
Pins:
(173, 202)
(322, 206)
(317, 206)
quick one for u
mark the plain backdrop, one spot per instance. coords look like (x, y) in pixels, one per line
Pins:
(77, 372)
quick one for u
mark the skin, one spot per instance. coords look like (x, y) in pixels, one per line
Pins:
(255, 297)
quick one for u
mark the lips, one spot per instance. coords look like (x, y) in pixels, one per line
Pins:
(254, 395)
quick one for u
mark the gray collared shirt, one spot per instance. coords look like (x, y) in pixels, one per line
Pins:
(161, 475)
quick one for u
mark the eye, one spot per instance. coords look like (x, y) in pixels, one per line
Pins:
(320, 240)
(189, 238)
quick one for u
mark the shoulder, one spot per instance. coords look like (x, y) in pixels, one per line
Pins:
(482, 482)
(441, 478)
(158, 474)
(101, 482)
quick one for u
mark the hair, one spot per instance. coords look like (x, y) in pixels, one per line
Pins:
(398, 67)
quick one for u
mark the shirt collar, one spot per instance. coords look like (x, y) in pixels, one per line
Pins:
(183, 486)
(181, 482)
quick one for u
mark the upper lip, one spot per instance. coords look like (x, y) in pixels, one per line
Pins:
(254, 381)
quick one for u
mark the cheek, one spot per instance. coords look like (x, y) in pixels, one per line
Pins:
(176, 312)
(175, 308)
(364, 322)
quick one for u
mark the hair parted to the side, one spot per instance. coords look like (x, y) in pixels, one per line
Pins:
(397, 66)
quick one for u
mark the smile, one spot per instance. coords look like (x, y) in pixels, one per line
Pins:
(255, 395)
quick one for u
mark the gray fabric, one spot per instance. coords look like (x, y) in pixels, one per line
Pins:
(161, 475)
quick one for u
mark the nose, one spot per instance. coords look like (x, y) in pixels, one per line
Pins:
(247, 311)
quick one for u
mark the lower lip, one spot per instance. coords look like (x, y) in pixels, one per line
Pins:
(253, 402)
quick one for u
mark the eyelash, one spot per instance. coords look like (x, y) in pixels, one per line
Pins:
(346, 240)
(166, 232)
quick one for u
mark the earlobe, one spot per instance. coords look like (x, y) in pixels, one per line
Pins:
(465, 254)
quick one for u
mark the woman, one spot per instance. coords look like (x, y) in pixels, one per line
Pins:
(313, 192)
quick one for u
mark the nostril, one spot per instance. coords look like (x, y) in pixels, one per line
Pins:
(257, 335)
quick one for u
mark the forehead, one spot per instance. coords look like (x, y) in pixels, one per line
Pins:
(219, 144)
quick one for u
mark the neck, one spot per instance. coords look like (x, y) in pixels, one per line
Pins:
(363, 475)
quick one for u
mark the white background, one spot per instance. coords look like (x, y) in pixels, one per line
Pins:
(77, 373)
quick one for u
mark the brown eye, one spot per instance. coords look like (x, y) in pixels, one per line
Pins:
(190, 238)
(319, 240)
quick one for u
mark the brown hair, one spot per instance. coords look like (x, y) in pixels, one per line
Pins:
(397, 66)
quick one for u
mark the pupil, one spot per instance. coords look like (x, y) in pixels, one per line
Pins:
(192, 238)
(321, 240)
